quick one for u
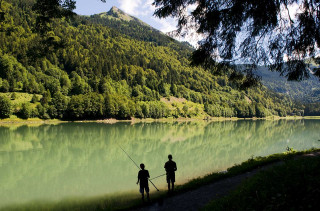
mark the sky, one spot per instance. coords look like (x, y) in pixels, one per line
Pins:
(141, 9)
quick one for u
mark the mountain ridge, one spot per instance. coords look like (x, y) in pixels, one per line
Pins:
(119, 14)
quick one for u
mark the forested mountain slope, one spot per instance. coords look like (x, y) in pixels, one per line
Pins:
(307, 91)
(112, 65)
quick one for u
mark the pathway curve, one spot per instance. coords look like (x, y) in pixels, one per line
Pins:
(198, 198)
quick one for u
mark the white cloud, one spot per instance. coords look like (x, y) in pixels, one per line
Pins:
(147, 9)
(144, 8)
(130, 6)
(137, 7)
(166, 25)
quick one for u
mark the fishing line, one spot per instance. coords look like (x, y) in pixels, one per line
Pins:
(137, 165)
(158, 176)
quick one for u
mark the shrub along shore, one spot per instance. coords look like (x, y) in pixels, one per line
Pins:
(16, 120)
(277, 188)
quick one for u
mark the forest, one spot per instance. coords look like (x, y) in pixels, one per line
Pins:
(104, 66)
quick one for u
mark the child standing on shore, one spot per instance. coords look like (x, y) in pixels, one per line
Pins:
(143, 177)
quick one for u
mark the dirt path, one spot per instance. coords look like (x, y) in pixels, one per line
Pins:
(196, 199)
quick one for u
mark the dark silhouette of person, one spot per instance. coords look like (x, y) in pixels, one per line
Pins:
(143, 177)
(170, 167)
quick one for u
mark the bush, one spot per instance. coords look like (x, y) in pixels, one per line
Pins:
(42, 112)
(25, 111)
(13, 96)
(5, 107)
(185, 110)
(34, 98)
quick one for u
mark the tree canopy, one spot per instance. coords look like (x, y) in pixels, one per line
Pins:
(264, 32)
(49, 9)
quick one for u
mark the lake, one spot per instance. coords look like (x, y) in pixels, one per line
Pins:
(70, 160)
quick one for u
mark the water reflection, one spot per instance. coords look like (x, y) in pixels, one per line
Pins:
(83, 159)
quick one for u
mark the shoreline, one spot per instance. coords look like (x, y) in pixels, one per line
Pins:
(12, 121)
(32, 121)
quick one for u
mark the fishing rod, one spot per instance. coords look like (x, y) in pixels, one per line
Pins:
(158, 176)
(137, 166)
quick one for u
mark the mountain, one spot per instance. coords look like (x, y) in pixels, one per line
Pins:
(117, 14)
(307, 91)
(135, 28)
(112, 65)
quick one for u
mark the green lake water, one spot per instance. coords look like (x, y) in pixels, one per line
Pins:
(70, 160)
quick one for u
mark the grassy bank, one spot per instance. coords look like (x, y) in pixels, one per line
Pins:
(15, 119)
(127, 200)
(292, 186)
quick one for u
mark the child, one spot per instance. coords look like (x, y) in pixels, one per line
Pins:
(143, 177)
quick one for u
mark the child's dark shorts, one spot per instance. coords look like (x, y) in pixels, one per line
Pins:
(144, 187)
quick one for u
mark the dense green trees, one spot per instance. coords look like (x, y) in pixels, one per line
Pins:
(25, 111)
(312, 109)
(34, 98)
(101, 67)
(5, 107)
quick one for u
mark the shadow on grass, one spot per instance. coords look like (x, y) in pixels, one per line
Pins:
(292, 186)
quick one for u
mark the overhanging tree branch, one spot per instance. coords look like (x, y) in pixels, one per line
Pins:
(294, 38)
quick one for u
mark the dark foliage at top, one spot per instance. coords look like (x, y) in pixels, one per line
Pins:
(50, 9)
(256, 32)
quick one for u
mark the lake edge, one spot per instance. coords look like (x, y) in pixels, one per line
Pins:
(32, 121)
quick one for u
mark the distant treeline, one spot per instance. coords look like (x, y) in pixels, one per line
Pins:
(96, 67)
(306, 91)
(312, 109)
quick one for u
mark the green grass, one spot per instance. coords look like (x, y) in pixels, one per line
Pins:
(175, 105)
(20, 98)
(132, 200)
(13, 119)
(292, 186)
